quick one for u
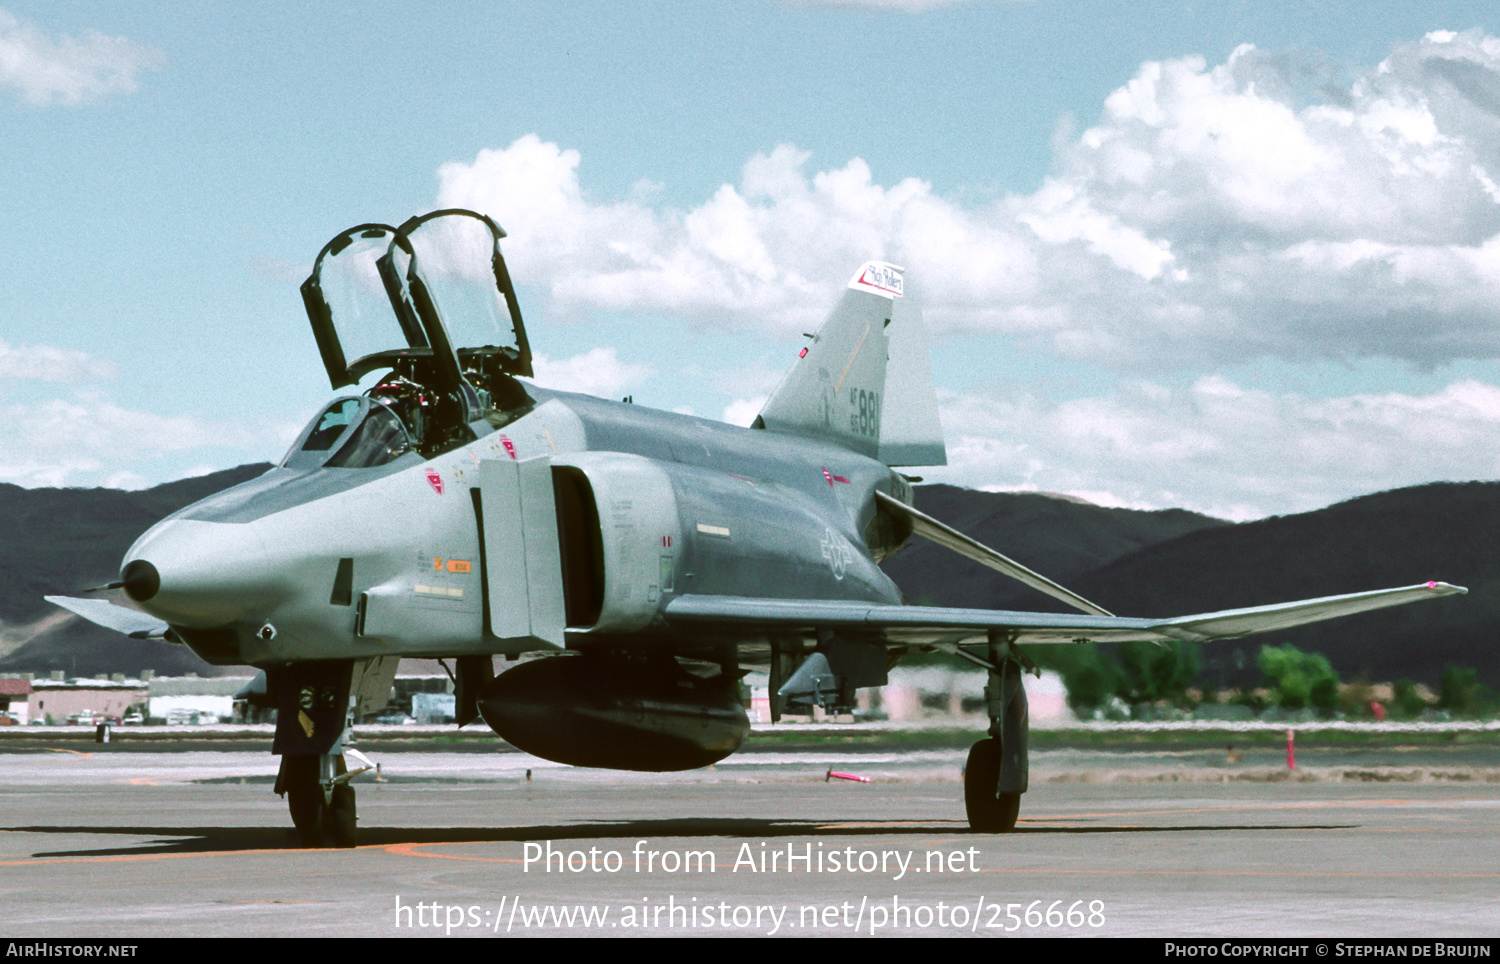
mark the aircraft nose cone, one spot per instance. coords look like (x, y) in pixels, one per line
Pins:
(198, 574)
(141, 580)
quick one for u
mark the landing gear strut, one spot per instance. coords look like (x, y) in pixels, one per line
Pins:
(997, 771)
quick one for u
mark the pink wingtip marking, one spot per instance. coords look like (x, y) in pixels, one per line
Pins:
(1431, 585)
(802, 353)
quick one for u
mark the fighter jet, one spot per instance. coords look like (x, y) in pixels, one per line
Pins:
(641, 560)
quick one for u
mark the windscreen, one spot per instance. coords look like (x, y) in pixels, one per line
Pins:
(330, 426)
(324, 433)
(379, 439)
(359, 432)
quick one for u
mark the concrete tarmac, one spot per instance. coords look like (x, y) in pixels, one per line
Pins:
(127, 842)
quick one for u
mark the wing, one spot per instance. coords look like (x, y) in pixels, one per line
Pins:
(923, 625)
(136, 625)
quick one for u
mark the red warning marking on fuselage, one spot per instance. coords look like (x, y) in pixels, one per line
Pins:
(458, 565)
(510, 447)
(436, 481)
(834, 478)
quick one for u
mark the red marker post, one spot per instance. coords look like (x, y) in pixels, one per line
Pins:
(1291, 753)
(830, 775)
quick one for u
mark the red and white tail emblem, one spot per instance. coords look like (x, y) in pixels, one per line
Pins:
(436, 481)
(510, 447)
(878, 277)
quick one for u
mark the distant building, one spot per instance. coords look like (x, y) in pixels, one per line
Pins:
(15, 696)
(59, 701)
(433, 707)
(193, 699)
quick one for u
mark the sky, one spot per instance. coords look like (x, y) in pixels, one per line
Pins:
(1241, 258)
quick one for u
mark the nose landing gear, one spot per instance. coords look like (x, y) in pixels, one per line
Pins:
(316, 704)
(324, 815)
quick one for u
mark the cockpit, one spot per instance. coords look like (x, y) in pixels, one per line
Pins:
(432, 305)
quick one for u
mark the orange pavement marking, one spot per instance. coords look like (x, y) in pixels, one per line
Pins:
(410, 850)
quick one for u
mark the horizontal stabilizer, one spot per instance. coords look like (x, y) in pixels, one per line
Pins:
(930, 625)
(949, 538)
(136, 625)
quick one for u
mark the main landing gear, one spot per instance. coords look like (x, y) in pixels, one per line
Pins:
(996, 774)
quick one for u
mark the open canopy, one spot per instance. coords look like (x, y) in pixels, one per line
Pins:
(434, 291)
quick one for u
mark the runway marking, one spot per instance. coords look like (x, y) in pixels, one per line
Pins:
(140, 782)
(53, 749)
(410, 850)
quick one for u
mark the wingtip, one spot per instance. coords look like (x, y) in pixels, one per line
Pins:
(1446, 588)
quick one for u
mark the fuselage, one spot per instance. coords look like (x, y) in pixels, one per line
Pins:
(324, 562)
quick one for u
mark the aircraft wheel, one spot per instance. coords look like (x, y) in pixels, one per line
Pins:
(305, 798)
(988, 811)
(339, 820)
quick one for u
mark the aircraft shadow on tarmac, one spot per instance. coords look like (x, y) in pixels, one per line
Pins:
(183, 840)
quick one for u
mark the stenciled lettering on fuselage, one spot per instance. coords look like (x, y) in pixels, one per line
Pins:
(837, 552)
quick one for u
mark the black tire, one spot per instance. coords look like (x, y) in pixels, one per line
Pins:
(339, 819)
(304, 798)
(989, 812)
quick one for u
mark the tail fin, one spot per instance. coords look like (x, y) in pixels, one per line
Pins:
(864, 381)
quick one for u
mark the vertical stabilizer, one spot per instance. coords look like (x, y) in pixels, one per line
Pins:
(910, 433)
(864, 380)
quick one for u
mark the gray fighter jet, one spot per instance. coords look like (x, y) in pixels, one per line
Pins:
(454, 509)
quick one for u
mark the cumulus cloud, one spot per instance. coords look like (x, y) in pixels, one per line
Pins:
(743, 411)
(1219, 448)
(596, 372)
(83, 440)
(46, 69)
(50, 364)
(1212, 214)
(1265, 207)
